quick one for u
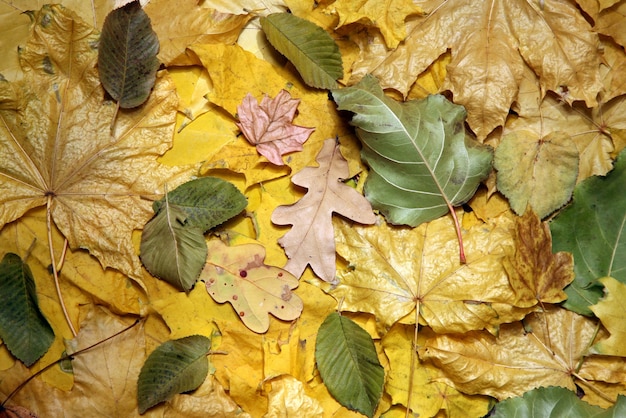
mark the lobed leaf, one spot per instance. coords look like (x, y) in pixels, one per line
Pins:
(172, 250)
(310, 48)
(419, 155)
(174, 367)
(593, 229)
(127, 55)
(612, 310)
(23, 328)
(206, 202)
(238, 275)
(348, 363)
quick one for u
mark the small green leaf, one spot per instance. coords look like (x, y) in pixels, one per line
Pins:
(310, 48)
(593, 229)
(536, 171)
(347, 361)
(127, 55)
(23, 328)
(172, 250)
(546, 402)
(207, 202)
(174, 367)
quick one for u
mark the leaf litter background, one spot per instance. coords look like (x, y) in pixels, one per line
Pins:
(471, 343)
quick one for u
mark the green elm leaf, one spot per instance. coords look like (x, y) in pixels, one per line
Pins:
(206, 201)
(593, 229)
(553, 401)
(348, 364)
(172, 250)
(23, 328)
(310, 48)
(127, 55)
(175, 366)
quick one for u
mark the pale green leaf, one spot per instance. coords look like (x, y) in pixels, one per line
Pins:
(174, 367)
(555, 402)
(310, 48)
(419, 155)
(127, 55)
(540, 172)
(23, 328)
(593, 229)
(347, 361)
(206, 201)
(171, 250)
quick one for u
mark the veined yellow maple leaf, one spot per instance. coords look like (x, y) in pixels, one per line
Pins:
(56, 148)
(391, 271)
(551, 348)
(491, 43)
(388, 16)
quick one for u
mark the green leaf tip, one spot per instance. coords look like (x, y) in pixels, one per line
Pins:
(23, 328)
(174, 367)
(310, 48)
(346, 358)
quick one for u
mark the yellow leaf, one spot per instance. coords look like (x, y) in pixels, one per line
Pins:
(287, 398)
(388, 16)
(488, 63)
(551, 348)
(612, 310)
(58, 151)
(392, 271)
(428, 395)
(186, 22)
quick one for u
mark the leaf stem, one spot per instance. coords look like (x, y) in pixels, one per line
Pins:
(55, 272)
(459, 236)
(65, 357)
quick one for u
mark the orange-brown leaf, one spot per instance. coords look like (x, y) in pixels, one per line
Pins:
(535, 273)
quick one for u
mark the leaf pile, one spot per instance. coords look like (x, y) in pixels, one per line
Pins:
(392, 210)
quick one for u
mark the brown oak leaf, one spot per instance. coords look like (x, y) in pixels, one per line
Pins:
(268, 125)
(535, 274)
(311, 240)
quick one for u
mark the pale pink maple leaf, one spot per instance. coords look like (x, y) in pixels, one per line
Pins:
(268, 125)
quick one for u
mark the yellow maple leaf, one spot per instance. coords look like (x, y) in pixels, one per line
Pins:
(392, 271)
(185, 22)
(56, 149)
(388, 16)
(551, 348)
(491, 44)
(611, 310)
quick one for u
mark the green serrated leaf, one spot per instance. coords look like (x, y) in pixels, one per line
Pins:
(310, 48)
(206, 201)
(593, 229)
(347, 361)
(23, 328)
(127, 55)
(175, 366)
(172, 250)
(418, 153)
(555, 402)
